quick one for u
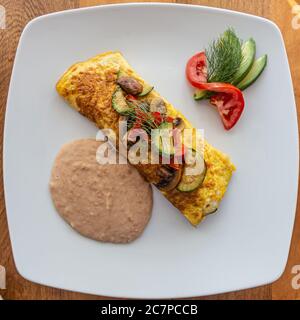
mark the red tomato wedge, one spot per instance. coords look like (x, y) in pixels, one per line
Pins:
(196, 70)
(130, 97)
(158, 118)
(230, 107)
(228, 99)
(169, 119)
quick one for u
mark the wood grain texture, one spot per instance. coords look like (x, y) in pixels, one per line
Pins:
(19, 12)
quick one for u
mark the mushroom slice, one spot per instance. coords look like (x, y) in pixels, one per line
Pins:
(158, 105)
(169, 178)
(179, 123)
(130, 85)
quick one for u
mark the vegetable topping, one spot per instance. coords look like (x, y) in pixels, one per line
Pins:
(170, 177)
(130, 85)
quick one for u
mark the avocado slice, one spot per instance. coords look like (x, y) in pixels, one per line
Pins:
(189, 183)
(248, 51)
(119, 102)
(255, 71)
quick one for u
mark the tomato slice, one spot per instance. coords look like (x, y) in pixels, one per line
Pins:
(130, 97)
(158, 118)
(196, 68)
(140, 119)
(228, 99)
(169, 119)
(230, 108)
(175, 166)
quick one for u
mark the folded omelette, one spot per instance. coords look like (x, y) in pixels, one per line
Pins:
(90, 88)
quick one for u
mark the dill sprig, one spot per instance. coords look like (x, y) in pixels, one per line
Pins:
(224, 57)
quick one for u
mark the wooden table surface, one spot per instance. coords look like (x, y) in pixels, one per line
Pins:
(18, 13)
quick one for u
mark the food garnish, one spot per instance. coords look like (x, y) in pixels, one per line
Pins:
(224, 69)
(248, 53)
(228, 99)
(224, 57)
(196, 68)
(255, 71)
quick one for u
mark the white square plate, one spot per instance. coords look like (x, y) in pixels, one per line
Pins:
(246, 244)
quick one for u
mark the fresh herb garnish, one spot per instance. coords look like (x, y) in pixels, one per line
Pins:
(224, 57)
(139, 115)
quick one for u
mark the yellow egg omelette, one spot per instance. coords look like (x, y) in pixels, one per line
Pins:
(90, 86)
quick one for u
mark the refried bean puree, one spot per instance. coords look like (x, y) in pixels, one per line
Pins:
(109, 203)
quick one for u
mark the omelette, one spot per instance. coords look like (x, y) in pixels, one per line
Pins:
(104, 89)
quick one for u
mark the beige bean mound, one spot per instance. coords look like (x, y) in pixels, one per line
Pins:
(109, 203)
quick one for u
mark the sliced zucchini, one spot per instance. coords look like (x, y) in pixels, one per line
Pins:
(146, 90)
(189, 183)
(119, 102)
(248, 51)
(165, 148)
(255, 71)
(122, 73)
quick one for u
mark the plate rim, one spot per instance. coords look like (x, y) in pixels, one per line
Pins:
(272, 276)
